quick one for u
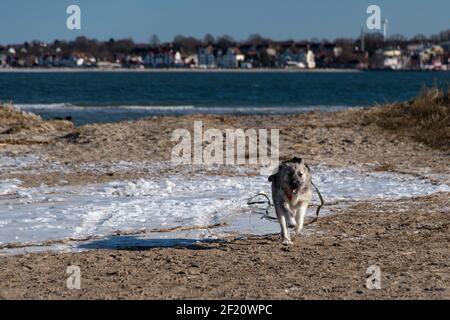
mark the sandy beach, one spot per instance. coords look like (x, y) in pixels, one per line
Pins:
(407, 237)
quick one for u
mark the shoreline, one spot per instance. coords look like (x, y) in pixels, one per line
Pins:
(198, 70)
(175, 70)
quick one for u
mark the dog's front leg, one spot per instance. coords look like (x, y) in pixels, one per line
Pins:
(300, 217)
(290, 216)
(282, 214)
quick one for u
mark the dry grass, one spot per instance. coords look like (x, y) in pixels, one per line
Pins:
(14, 121)
(383, 167)
(426, 118)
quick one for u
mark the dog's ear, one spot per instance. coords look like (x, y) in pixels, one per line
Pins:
(273, 176)
(300, 160)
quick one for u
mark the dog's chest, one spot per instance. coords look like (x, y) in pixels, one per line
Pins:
(294, 202)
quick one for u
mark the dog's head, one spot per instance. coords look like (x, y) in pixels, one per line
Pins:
(293, 175)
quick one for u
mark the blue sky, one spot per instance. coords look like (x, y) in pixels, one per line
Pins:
(22, 20)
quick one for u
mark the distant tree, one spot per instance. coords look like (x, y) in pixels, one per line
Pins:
(225, 41)
(397, 38)
(344, 41)
(373, 42)
(209, 39)
(266, 60)
(444, 35)
(124, 46)
(435, 38)
(187, 44)
(81, 44)
(255, 39)
(419, 38)
(154, 40)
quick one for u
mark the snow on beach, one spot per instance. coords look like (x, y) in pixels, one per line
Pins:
(53, 213)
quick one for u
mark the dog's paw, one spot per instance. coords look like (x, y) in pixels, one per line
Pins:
(292, 223)
(287, 242)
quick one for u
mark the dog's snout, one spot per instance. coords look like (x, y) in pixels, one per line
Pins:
(295, 183)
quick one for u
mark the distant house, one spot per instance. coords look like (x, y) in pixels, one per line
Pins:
(310, 60)
(299, 58)
(68, 61)
(414, 54)
(271, 52)
(393, 59)
(292, 57)
(162, 57)
(191, 60)
(426, 56)
(150, 59)
(232, 59)
(134, 61)
(178, 59)
(206, 58)
(433, 57)
(30, 61)
(155, 59)
(3, 60)
(446, 46)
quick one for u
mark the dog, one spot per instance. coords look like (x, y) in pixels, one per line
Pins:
(291, 195)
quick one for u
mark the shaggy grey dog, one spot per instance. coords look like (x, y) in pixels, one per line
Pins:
(291, 194)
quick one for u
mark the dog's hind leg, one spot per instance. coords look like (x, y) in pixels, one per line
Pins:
(300, 217)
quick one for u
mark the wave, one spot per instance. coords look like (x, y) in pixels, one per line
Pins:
(68, 106)
(82, 115)
(184, 108)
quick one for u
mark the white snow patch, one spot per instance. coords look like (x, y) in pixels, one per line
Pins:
(9, 186)
(49, 213)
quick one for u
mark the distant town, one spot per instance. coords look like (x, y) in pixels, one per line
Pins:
(371, 51)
